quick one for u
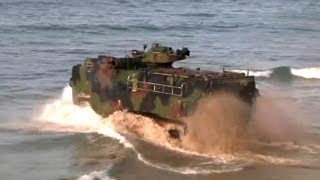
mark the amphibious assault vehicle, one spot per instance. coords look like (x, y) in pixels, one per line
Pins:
(145, 82)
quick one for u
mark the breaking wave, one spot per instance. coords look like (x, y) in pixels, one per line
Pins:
(284, 72)
(97, 175)
(62, 116)
(309, 73)
(254, 73)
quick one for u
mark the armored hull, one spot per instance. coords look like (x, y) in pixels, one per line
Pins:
(148, 84)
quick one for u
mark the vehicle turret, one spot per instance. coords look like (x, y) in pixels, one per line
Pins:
(159, 55)
(145, 82)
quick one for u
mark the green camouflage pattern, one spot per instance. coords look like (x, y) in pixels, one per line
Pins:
(146, 83)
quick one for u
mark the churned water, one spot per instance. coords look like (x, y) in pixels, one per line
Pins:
(44, 136)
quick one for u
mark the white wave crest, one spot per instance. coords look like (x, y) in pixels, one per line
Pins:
(308, 73)
(254, 73)
(101, 175)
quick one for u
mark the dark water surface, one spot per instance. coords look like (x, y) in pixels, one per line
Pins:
(40, 40)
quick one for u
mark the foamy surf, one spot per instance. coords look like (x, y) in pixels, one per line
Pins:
(307, 73)
(196, 169)
(61, 115)
(97, 175)
(253, 73)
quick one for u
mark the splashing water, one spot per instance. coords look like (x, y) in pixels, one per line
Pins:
(224, 140)
(62, 116)
(218, 125)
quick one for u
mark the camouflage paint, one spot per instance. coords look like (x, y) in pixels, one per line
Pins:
(147, 83)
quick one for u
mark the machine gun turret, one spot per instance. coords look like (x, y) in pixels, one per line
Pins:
(161, 55)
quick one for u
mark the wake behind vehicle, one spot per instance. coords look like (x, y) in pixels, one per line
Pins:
(145, 82)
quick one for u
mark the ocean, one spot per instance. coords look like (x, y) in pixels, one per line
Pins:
(44, 136)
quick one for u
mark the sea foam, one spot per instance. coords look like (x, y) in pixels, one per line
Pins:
(307, 73)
